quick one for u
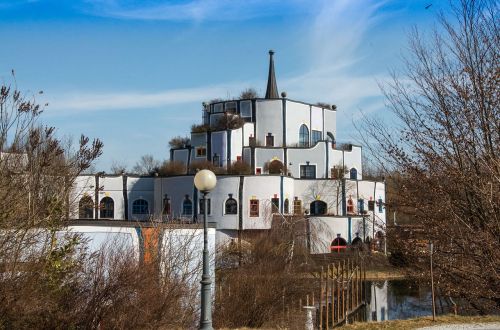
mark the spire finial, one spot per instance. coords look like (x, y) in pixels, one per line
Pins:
(272, 88)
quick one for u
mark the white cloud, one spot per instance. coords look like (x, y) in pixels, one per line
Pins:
(69, 103)
(192, 10)
(336, 36)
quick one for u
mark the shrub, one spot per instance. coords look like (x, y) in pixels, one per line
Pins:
(249, 93)
(172, 168)
(179, 142)
(239, 168)
(201, 128)
(275, 167)
(229, 121)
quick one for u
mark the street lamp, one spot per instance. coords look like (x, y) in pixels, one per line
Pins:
(205, 181)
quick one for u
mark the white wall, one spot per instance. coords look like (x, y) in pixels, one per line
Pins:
(296, 115)
(263, 188)
(265, 155)
(176, 188)
(325, 229)
(330, 122)
(248, 130)
(225, 185)
(112, 186)
(269, 120)
(219, 146)
(353, 159)
(236, 144)
(315, 155)
(140, 188)
(317, 119)
(84, 185)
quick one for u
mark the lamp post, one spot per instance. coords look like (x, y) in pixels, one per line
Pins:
(205, 181)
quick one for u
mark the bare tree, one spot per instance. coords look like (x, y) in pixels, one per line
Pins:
(249, 93)
(444, 154)
(146, 165)
(118, 167)
(37, 175)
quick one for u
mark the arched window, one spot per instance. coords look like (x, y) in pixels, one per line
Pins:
(286, 206)
(353, 174)
(140, 206)
(318, 207)
(331, 138)
(86, 208)
(338, 244)
(187, 206)
(339, 241)
(231, 206)
(303, 136)
(107, 207)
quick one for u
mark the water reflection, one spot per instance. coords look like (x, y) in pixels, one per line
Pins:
(396, 300)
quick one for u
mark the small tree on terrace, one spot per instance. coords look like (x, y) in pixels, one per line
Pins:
(445, 155)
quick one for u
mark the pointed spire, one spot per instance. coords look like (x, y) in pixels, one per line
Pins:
(272, 88)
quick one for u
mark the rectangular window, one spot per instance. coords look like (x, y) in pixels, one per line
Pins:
(361, 206)
(297, 206)
(269, 140)
(254, 207)
(371, 205)
(166, 206)
(246, 109)
(316, 136)
(231, 107)
(380, 205)
(275, 203)
(308, 171)
(218, 107)
(202, 206)
(201, 152)
(216, 160)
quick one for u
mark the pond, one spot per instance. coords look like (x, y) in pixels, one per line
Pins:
(398, 300)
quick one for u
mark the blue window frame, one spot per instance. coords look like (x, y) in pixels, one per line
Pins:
(316, 136)
(361, 206)
(303, 136)
(353, 174)
(308, 171)
(140, 206)
(187, 206)
(202, 206)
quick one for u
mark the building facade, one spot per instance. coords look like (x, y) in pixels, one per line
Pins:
(293, 166)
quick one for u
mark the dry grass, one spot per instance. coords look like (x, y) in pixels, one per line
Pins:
(422, 322)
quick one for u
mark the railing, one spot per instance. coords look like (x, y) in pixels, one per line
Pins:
(341, 293)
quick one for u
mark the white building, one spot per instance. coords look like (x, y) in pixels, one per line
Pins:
(295, 166)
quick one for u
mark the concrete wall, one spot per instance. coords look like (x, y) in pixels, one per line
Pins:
(140, 188)
(315, 155)
(265, 155)
(296, 115)
(325, 229)
(269, 120)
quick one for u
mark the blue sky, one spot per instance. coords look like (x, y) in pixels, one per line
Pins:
(134, 73)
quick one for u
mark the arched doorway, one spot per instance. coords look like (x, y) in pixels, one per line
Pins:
(338, 244)
(107, 207)
(318, 207)
(86, 208)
